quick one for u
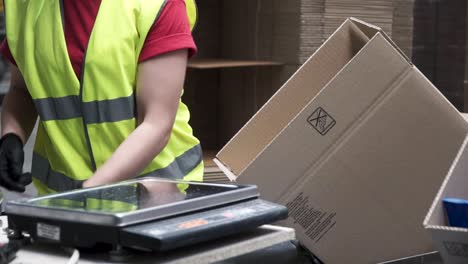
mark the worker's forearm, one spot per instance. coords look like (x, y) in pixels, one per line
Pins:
(159, 87)
(18, 114)
(133, 155)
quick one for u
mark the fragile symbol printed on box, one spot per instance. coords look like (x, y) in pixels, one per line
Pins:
(321, 121)
(456, 249)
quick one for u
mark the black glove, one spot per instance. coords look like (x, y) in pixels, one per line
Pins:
(11, 164)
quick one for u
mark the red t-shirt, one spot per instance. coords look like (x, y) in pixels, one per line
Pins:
(170, 32)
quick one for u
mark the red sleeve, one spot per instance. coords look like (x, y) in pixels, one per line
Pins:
(5, 51)
(170, 32)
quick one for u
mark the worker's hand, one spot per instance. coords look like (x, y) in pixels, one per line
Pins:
(152, 193)
(11, 164)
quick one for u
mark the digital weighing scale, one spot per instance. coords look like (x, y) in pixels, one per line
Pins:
(150, 214)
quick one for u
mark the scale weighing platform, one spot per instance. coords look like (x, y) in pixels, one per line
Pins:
(148, 214)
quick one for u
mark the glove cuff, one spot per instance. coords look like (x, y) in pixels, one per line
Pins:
(11, 136)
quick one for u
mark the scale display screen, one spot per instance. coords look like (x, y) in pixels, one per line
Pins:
(131, 196)
(132, 201)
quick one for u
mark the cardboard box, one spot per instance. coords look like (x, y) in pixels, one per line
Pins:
(452, 242)
(356, 144)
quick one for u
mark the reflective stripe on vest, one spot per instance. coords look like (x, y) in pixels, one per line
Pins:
(94, 112)
(83, 121)
(59, 182)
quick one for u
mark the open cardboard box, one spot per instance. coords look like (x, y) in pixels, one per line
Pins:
(452, 242)
(355, 144)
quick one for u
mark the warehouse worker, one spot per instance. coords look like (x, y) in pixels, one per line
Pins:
(105, 78)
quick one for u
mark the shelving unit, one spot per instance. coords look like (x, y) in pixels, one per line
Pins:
(234, 73)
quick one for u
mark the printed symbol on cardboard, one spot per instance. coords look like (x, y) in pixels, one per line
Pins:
(321, 121)
(456, 248)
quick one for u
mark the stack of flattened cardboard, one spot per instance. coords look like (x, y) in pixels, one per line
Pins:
(212, 172)
(402, 27)
(466, 64)
(377, 12)
(439, 45)
(311, 29)
(425, 37)
(450, 49)
(283, 40)
(320, 18)
(356, 145)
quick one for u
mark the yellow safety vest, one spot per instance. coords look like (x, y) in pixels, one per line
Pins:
(83, 121)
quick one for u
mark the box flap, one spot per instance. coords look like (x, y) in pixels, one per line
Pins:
(370, 30)
(290, 99)
(226, 170)
(315, 133)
